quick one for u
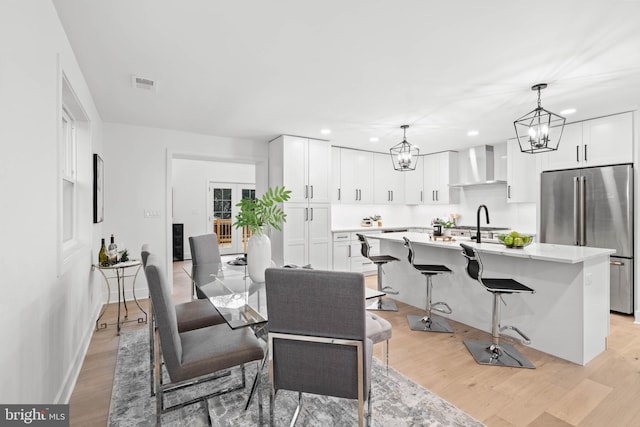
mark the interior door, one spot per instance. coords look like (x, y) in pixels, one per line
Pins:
(223, 198)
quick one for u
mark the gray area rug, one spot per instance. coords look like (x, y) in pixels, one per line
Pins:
(396, 400)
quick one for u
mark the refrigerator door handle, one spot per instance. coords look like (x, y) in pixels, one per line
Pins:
(576, 216)
(616, 263)
(583, 213)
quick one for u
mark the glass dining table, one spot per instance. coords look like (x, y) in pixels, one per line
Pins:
(241, 301)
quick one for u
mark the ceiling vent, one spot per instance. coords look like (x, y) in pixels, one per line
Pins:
(144, 83)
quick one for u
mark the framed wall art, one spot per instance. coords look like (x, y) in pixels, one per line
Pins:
(98, 189)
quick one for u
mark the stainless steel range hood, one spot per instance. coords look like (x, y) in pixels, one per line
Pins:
(477, 167)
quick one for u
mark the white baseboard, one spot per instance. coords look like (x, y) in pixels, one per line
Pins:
(64, 394)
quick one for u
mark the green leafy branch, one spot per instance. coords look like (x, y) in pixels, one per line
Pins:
(264, 211)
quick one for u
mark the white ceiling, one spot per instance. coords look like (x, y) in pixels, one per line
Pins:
(257, 69)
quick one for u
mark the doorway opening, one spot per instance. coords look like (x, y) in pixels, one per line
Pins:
(222, 210)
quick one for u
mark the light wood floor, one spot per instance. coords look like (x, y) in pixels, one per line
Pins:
(606, 392)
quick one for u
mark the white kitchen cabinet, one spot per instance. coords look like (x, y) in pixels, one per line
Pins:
(303, 165)
(388, 183)
(306, 236)
(341, 251)
(440, 170)
(356, 176)
(522, 185)
(414, 184)
(335, 174)
(597, 142)
(608, 140)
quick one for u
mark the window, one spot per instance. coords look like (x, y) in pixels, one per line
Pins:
(68, 166)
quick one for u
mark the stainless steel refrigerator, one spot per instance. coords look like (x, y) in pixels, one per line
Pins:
(593, 207)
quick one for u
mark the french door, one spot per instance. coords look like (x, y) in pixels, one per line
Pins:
(222, 210)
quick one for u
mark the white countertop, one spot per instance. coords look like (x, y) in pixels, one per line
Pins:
(537, 251)
(376, 228)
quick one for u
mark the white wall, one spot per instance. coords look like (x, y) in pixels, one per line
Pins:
(138, 165)
(190, 185)
(48, 308)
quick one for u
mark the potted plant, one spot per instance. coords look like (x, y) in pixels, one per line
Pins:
(376, 218)
(446, 225)
(259, 215)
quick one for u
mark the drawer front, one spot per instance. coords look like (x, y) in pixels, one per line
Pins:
(341, 237)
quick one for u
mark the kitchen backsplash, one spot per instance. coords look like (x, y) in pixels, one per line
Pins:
(517, 216)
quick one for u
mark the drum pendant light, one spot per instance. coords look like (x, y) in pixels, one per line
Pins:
(539, 130)
(404, 156)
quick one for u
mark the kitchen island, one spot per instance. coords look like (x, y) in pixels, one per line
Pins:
(567, 317)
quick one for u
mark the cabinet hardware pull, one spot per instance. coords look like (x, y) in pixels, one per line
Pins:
(585, 152)
(577, 153)
(349, 256)
(356, 194)
(392, 195)
(437, 195)
(306, 191)
(433, 195)
(508, 191)
(306, 214)
(311, 215)
(421, 195)
(312, 191)
(339, 195)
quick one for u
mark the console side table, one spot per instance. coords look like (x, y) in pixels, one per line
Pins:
(122, 270)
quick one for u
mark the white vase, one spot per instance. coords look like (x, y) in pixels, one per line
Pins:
(258, 256)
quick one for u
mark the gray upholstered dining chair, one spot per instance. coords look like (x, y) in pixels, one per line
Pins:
(204, 250)
(190, 315)
(317, 336)
(197, 355)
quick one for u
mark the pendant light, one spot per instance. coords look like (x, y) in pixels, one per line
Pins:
(539, 130)
(404, 155)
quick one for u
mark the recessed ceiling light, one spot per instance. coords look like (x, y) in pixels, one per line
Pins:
(374, 139)
(472, 133)
(325, 131)
(568, 111)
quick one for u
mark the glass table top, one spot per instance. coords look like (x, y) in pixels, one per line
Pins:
(240, 300)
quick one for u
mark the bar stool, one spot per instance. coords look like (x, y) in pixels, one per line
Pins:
(379, 261)
(428, 323)
(494, 352)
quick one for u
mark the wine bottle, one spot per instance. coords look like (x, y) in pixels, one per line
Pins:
(113, 252)
(103, 258)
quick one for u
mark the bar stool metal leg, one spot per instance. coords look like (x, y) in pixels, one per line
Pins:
(429, 323)
(494, 352)
(382, 304)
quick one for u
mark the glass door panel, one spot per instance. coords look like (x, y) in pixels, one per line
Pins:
(223, 198)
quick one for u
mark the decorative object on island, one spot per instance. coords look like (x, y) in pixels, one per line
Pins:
(258, 215)
(534, 128)
(446, 226)
(403, 154)
(366, 222)
(376, 218)
(124, 256)
(98, 189)
(515, 240)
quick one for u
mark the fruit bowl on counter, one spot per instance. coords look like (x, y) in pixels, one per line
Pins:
(515, 240)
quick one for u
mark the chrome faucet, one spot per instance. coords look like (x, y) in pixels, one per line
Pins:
(486, 211)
